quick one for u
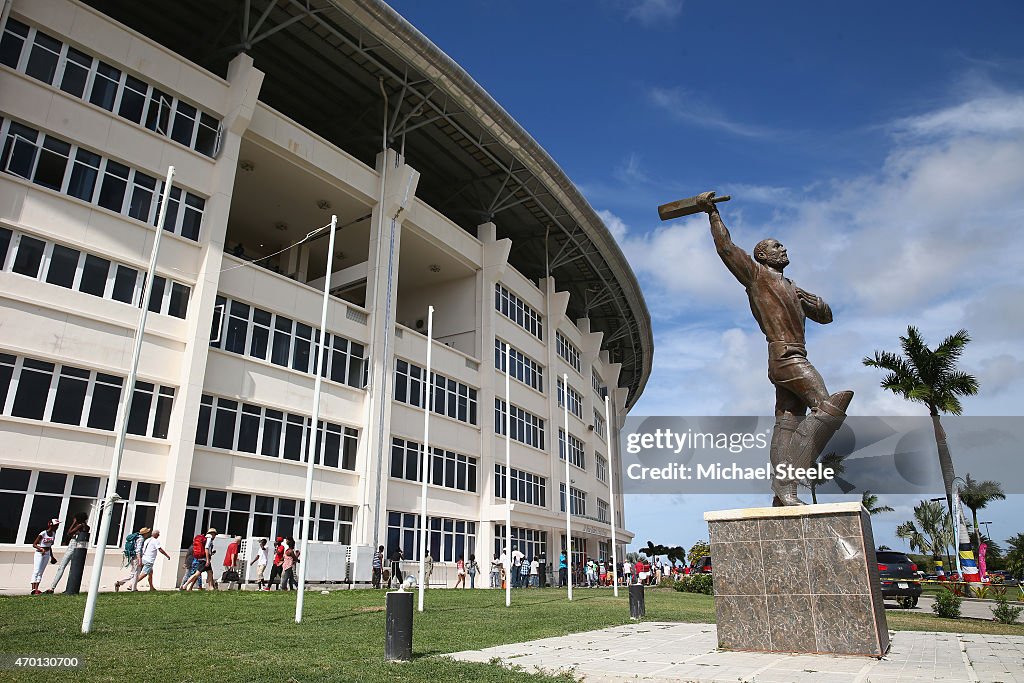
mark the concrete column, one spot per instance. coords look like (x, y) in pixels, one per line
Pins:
(492, 447)
(242, 96)
(397, 190)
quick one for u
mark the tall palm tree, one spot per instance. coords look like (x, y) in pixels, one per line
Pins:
(1015, 555)
(929, 532)
(977, 495)
(831, 460)
(931, 377)
(870, 503)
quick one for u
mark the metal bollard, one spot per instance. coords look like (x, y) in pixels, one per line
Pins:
(637, 609)
(398, 626)
(75, 569)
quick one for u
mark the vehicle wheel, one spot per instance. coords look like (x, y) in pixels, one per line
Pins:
(914, 603)
(906, 603)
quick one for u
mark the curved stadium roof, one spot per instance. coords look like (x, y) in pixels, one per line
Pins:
(476, 163)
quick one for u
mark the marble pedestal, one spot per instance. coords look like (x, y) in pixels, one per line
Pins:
(797, 579)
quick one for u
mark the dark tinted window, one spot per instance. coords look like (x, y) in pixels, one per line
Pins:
(886, 557)
(63, 262)
(30, 254)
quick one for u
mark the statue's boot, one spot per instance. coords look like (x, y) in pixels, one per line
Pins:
(782, 438)
(810, 438)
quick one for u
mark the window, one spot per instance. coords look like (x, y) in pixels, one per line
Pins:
(81, 397)
(604, 551)
(29, 498)
(526, 427)
(251, 515)
(524, 368)
(568, 351)
(90, 274)
(533, 543)
(448, 539)
(449, 397)
(575, 399)
(447, 468)
(599, 426)
(579, 549)
(250, 331)
(527, 487)
(516, 310)
(121, 189)
(598, 384)
(577, 501)
(602, 511)
(51, 61)
(601, 467)
(576, 456)
(249, 428)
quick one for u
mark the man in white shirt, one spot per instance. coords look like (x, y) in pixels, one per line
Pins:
(150, 548)
(260, 560)
(517, 561)
(535, 573)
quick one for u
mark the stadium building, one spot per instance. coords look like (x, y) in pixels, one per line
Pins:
(278, 114)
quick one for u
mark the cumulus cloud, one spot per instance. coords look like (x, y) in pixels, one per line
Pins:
(652, 12)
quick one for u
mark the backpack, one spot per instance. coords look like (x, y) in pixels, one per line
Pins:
(199, 547)
(129, 546)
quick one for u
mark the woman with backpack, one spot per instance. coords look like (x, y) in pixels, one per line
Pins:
(43, 545)
(133, 555)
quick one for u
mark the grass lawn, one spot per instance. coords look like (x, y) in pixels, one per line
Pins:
(244, 637)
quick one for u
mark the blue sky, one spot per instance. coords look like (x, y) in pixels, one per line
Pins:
(882, 142)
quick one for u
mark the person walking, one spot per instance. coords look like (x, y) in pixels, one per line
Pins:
(260, 560)
(627, 572)
(534, 573)
(524, 573)
(517, 564)
(396, 567)
(460, 572)
(43, 545)
(472, 568)
(202, 549)
(291, 556)
(428, 569)
(563, 570)
(378, 566)
(77, 536)
(275, 570)
(496, 572)
(150, 548)
(133, 553)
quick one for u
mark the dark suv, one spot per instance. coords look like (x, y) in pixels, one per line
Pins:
(701, 565)
(899, 578)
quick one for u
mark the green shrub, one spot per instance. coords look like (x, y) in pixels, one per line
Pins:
(696, 583)
(667, 582)
(1004, 612)
(947, 604)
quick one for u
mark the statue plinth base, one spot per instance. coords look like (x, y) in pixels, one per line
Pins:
(797, 579)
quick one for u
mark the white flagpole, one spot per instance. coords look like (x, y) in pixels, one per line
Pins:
(508, 477)
(611, 492)
(568, 498)
(127, 394)
(310, 445)
(428, 394)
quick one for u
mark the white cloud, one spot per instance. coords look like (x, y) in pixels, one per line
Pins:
(988, 115)
(651, 12)
(693, 109)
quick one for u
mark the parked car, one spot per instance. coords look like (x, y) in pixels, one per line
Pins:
(701, 565)
(899, 578)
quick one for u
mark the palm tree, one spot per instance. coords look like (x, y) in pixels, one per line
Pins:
(870, 503)
(929, 532)
(922, 375)
(832, 460)
(1015, 555)
(977, 495)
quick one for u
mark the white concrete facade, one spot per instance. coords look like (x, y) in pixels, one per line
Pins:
(220, 451)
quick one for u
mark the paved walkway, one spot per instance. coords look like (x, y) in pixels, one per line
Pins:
(686, 652)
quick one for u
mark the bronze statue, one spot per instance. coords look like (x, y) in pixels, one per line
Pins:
(780, 308)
